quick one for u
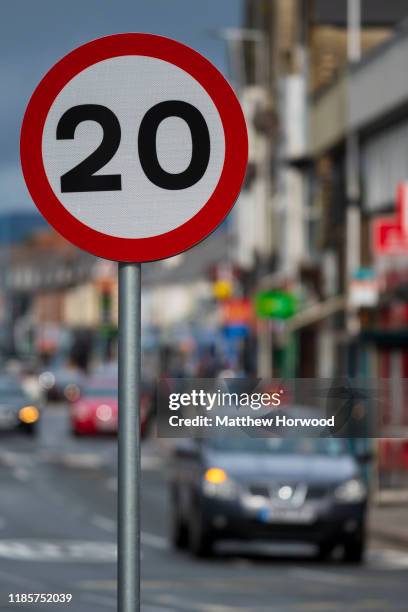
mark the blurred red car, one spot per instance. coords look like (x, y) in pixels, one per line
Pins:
(96, 410)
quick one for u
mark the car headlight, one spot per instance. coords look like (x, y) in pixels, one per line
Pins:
(104, 413)
(216, 483)
(46, 380)
(29, 415)
(351, 492)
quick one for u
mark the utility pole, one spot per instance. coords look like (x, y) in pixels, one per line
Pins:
(235, 38)
(353, 213)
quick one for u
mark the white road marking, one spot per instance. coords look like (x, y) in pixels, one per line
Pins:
(151, 462)
(323, 576)
(152, 608)
(58, 550)
(11, 459)
(154, 541)
(103, 522)
(387, 559)
(82, 460)
(68, 459)
(21, 474)
(8, 459)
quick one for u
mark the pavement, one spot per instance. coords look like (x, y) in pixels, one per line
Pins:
(58, 532)
(390, 522)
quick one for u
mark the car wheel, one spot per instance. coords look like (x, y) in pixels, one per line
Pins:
(179, 531)
(325, 550)
(200, 538)
(30, 430)
(354, 550)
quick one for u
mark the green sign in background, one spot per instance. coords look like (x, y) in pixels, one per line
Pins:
(275, 305)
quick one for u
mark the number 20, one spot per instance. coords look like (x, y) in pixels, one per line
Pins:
(83, 178)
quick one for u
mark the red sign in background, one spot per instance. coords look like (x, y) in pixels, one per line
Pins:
(390, 234)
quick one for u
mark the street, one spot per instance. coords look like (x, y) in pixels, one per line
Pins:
(204, 238)
(57, 535)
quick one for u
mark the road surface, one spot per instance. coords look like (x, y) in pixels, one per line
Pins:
(57, 535)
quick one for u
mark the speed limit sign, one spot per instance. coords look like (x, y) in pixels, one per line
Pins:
(134, 147)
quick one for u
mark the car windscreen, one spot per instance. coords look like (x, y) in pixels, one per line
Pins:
(332, 447)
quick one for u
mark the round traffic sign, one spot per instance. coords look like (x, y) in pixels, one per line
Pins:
(134, 147)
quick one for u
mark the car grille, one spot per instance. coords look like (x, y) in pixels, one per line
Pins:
(316, 491)
(261, 490)
(269, 491)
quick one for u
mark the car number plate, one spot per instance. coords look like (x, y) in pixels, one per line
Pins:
(300, 516)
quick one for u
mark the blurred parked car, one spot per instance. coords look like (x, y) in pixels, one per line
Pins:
(96, 410)
(16, 410)
(287, 489)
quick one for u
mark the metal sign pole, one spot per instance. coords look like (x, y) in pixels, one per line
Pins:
(129, 438)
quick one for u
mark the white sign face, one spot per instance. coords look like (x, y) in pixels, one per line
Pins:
(134, 147)
(129, 87)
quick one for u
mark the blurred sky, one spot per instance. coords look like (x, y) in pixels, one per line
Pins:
(34, 34)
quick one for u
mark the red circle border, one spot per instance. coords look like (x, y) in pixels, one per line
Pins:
(209, 216)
